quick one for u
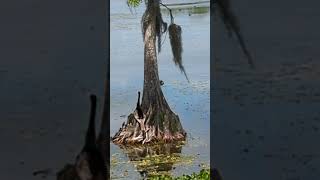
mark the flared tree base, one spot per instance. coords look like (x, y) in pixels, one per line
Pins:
(157, 126)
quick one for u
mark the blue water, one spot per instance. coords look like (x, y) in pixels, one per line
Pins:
(189, 100)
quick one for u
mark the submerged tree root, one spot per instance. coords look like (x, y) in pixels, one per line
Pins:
(155, 127)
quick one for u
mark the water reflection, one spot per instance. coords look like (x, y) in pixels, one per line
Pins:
(157, 159)
(189, 101)
(190, 10)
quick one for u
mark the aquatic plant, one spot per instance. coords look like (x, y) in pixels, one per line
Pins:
(204, 174)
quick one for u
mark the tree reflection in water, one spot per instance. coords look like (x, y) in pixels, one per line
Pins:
(156, 159)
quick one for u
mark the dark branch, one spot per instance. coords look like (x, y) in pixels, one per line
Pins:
(170, 11)
(231, 23)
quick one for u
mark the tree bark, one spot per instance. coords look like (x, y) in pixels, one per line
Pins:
(160, 123)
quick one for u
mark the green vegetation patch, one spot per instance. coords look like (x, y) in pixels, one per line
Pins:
(165, 159)
(204, 174)
(134, 3)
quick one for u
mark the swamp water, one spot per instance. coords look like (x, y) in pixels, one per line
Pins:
(191, 101)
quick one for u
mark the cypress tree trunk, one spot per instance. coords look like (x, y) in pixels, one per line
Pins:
(159, 123)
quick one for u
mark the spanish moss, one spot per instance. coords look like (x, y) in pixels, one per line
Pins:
(232, 25)
(176, 46)
(161, 26)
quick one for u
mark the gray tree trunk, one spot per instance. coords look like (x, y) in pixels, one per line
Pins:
(159, 123)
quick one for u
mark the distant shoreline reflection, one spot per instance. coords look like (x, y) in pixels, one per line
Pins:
(188, 10)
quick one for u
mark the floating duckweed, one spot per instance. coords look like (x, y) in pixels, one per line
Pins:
(204, 174)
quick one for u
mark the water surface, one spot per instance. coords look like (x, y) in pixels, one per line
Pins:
(189, 100)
